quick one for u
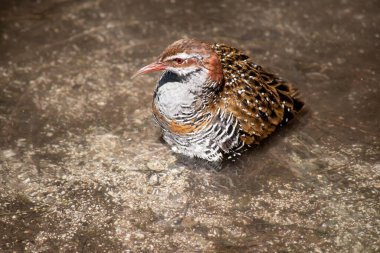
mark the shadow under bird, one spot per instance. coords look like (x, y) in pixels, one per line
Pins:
(212, 101)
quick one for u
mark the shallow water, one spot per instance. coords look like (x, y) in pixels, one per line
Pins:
(82, 166)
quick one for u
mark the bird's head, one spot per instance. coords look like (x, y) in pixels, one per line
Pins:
(186, 57)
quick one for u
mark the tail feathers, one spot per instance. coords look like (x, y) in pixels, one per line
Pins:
(297, 104)
(292, 103)
(289, 96)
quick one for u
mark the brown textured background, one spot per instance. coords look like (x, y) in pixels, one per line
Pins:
(82, 167)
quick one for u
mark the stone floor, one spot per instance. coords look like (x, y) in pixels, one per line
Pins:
(82, 166)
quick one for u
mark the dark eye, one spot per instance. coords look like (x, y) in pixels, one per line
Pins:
(178, 60)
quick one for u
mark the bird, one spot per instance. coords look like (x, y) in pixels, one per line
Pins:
(212, 102)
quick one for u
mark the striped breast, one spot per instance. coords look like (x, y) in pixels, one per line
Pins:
(209, 136)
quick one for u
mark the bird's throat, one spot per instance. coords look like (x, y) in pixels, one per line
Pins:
(180, 97)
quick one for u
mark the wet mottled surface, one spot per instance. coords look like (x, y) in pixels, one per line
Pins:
(82, 166)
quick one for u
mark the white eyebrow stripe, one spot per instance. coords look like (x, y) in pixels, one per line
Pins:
(182, 56)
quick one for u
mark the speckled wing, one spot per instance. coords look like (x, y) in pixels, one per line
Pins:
(259, 100)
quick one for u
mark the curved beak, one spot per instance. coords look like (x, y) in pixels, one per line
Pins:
(155, 66)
